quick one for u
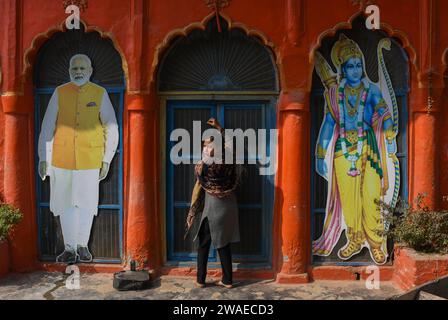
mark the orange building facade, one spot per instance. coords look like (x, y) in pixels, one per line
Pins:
(143, 32)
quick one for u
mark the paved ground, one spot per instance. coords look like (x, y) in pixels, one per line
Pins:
(51, 285)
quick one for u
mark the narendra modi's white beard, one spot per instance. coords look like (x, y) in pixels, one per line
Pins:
(79, 82)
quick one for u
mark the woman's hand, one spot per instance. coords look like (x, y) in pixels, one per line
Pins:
(214, 123)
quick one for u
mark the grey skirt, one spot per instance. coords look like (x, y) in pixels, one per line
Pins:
(222, 214)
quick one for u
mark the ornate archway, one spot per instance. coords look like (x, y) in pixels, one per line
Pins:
(209, 60)
(230, 75)
(51, 70)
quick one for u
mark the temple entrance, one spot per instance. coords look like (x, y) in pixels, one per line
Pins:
(232, 77)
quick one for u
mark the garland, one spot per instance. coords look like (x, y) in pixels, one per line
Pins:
(353, 158)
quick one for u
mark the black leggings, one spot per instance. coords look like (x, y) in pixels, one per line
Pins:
(225, 256)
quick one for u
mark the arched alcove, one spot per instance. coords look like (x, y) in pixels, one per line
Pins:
(51, 70)
(208, 60)
(230, 75)
(398, 66)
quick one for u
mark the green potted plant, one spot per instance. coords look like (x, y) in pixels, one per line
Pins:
(9, 218)
(421, 242)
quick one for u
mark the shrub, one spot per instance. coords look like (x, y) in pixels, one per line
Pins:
(9, 218)
(418, 227)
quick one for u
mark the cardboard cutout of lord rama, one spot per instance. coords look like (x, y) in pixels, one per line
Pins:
(355, 152)
(77, 143)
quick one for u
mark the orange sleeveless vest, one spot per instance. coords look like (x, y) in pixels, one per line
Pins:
(79, 135)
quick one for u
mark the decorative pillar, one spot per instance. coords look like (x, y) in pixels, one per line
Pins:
(137, 217)
(293, 194)
(424, 143)
(142, 215)
(18, 181)
(425, 101)
(18, 159)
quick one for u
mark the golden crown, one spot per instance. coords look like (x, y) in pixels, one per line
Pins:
(343, 50)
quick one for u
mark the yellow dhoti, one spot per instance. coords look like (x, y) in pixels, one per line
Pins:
(358, 194)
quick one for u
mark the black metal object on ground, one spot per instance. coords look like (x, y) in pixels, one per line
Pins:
(132, 279)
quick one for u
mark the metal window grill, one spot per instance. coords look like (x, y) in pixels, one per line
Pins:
(254, 195)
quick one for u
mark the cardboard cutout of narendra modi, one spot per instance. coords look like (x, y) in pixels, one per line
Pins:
(77, 142)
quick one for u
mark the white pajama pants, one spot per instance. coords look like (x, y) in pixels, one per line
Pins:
(76, 225)
(74, 198)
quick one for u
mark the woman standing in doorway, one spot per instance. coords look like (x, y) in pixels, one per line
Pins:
(214, 196)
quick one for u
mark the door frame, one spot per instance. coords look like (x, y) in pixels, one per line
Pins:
(270, 99)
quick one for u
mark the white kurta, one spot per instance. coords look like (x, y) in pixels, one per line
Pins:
(74, 193)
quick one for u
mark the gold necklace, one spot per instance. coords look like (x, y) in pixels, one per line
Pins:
(350, 91)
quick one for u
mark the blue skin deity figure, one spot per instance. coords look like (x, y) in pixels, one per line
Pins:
(354, 150)
(353, 71)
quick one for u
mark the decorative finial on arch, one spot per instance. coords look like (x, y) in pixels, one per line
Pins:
(362, 3)
(81, 4)
(217, 5)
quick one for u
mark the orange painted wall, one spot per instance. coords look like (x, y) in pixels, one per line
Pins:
(142, 30)
(443, 147)
(2, 152)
